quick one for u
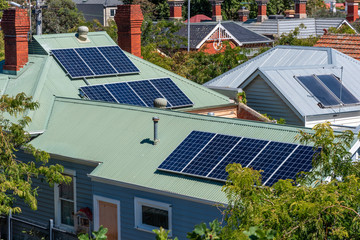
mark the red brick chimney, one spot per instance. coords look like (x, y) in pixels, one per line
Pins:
(243, 15)
(300, 8)
(262, 10)
(216, 10)
(352, 10)
(175, 9)
(15, 24)
(128, 19)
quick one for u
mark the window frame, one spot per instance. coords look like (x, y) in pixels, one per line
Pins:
(57, 202)
(139, 202)
(112, 9)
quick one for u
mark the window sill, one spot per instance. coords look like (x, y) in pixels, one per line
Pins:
(148, 229)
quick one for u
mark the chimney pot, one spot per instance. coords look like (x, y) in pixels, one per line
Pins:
(128, 19)
(175, 9)
(243, 15)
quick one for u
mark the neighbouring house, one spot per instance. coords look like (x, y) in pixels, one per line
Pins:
(348, 44)
(275, 25)
(97, 117)
(211, 36)
(303, 85)
(198, 18)
(102, 10)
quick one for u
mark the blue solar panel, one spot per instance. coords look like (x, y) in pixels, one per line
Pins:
(171, 92)
(96, 61)
(271, 158)
(124, 94)
(146, 91)
(319, 91)
(211, 155)
(98, 92)
(243, 153)
(118, 59)
(300, 160)
(72, 63)
(186, 151)
(338, 89)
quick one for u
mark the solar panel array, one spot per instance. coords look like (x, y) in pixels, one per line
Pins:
(94, 61)
(140, 93)
(329, 91)
(206, 155)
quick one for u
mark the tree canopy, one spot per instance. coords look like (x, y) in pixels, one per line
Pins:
(16, 176)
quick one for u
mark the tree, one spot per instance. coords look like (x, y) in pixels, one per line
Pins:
(292, 38)
(16, 176)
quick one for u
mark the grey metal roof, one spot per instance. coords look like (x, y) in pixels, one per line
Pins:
(199, 31)
(314, 27)
(279, 65)
(106, 3)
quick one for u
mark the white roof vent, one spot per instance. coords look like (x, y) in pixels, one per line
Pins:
(83, 34)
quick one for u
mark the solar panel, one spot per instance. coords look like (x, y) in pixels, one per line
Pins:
(118, 59)
(319, 91)
(124, 94)
(243, 153)
(204, 154)
(96, 61)
(72, 63)
(338, 89)
(186, 151)
(98, 92)
(206, 160)
(171, 92)
(146, 91)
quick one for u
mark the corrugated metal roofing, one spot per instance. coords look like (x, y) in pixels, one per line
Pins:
(279, 66)
(120, 137)
(106, 3)
(43, 78)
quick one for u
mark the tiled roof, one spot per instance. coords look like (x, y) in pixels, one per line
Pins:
(199, 18)
(348, 44)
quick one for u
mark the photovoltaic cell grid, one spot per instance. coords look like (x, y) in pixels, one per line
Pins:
(205, 155)
(328, 90)
(139, 93)
(94, 61)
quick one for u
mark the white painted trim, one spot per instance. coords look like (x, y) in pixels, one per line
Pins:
(139, 202)
(96, 199)
(355, 147)
(57, 206)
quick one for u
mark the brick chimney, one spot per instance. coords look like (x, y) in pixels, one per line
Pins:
(15, 24)
(243, 15)
(128, 19)
(352, 10)
(175, 9)
(300, 8)
(262, 10)
(216, 10)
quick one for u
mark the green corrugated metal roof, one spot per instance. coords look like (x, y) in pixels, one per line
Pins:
(43, 78)
(119, 135)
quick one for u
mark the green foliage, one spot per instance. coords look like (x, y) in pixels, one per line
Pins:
(16, 176)
(3, 5)
(98, 235)
(256, 233)
(278, 121)
(276, 7)
(197, 7)
(293, 40)
(201, 232)
(61, 16)
(162, 234)
(345, 29)
(241, 96)
(295, 210)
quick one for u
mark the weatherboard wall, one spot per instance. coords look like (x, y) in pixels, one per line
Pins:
(45, 197)
(263, 99)
(185, 213)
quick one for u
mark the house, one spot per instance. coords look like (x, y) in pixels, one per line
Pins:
(198, 18)
(210, 36)
(346, 43)
(275, 25)
(297, 83)
(102, 10)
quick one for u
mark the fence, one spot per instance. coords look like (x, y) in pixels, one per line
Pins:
(12, 228)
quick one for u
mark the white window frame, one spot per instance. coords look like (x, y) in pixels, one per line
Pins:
(96, 200)
(139, 202)
(57, 202)
(112, 9)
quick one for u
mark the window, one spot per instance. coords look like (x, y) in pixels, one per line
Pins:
(112, 12)
(151, 214)
(65, 202)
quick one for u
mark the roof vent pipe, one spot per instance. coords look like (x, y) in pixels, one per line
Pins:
(156, 121)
